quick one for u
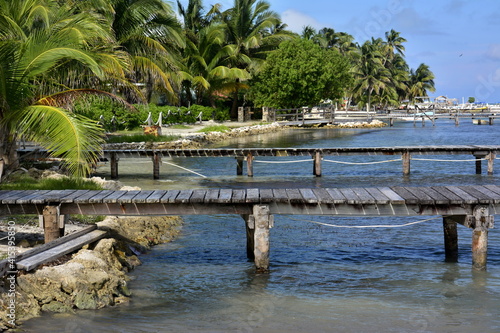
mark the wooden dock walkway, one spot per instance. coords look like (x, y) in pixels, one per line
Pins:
(317, 155)
(471, 206)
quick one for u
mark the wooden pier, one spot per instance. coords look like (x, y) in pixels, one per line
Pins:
(471, 206)
(405, 153)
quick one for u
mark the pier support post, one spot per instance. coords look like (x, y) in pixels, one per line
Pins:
(391, 122)
(479, 158)
(263, 221)
(491, 159)
(317, 164)
(406, 157)
(114, 166)
(239, 166)
(490, 120)
(250, 231)
(480, 221)
(51, 220)
(457, 121)
(250, 165)
(450, 238)
(156, 165)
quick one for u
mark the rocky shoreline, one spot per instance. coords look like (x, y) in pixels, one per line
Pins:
(96, 276)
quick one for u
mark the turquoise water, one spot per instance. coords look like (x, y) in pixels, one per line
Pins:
(322, 279)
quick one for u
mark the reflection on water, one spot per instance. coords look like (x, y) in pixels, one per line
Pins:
(322, 279)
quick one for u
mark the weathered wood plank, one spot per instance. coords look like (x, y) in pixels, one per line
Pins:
(423, 198)
(156, 196)
(225, 195)
(294, 196)
(493, 188)
(10, 198)
(53, 253)
(466, 197)
(379, 197)
(308, 195)
(364, 195)
(29, 197)
(337, 196)
(212, 196)
(350, 196)
(170, 196)
(495, 197)
(266, 195)
(482, 197)
(142, 196)
(198, 196)
(85, 198)
(408, 197)
(128, 196)
(322, 195)
(113, 198)
(183, 196)
(253, 195)
(239, 196)
(280, 195)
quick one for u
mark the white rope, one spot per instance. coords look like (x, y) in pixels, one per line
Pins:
(175, 165)
(369, 226)
(361, 163)
(283, 162)
(437, 160)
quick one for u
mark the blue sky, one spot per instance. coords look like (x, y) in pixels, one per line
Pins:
(458, 39)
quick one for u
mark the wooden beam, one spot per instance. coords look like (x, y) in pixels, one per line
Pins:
(317, 164)
(250, 165)
(250, 233)
(156, 165)
(491, 160)
(482, 220)
(239, 166)
(406, 163)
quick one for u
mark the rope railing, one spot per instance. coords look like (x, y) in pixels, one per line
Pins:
(361, 163)
(282, 162)
(367, 226)
(438, 160)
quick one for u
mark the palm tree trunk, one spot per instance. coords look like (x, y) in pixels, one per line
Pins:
(8, 153)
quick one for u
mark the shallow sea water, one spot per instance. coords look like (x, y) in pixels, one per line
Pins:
(322, 279)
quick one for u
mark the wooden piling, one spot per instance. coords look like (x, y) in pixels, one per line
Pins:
(481, 220)
(478, 163)
(457, 120)
(51, 223)
(490, 120)
(114, 165)
(156, 165)
(263, 222)
(450, 239)
(406, 157)
(250, 165)
(317, 164)
(491, 159)
(239, 166)
(250, 232)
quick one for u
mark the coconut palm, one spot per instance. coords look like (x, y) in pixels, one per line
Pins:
(248, 26)
(38, 39)
(148, 31)
(421, 80)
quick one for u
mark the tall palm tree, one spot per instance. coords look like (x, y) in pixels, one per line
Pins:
(38, 39)
(370, 74)
(149, 32)
(248, 25)
(421, 80)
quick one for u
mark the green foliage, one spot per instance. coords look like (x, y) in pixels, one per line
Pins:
(214, 128)
(472, 99)
(300, 73)
(141, 138)
(25, 182)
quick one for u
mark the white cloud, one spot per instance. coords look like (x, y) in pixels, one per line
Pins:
(493, 52)
(296, 21)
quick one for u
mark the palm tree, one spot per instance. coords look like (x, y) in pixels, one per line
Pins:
(148, 31)
(248, 26)
(370, 74)
(38, 40)
(421, 80)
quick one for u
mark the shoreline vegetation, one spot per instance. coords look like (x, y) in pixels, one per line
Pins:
(96, 276)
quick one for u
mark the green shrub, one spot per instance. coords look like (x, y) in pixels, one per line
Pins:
(140, 138)
(25, 182)
(214, 128)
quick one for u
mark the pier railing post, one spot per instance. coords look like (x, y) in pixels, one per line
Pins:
(491, 160)
(480, 221)
(114, 165)
(51, 220)
(250, 232)
(156, 165)
(406, 157)
(479, 157)
(317, 164)
(250, 165)
(263, 221)
(239, 166)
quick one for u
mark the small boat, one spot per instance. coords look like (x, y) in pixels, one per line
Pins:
(480, 122)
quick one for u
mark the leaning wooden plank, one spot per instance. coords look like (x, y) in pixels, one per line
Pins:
(53, 253)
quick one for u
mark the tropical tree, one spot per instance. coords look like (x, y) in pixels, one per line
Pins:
(38, 40)
(248, 27)
(300, 73)
(421, 80)
(149, 32)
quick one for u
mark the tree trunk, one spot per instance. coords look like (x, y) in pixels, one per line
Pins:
(234, 107)
(8, 152)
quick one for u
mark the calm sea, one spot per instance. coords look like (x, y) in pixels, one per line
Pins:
(322, 279)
